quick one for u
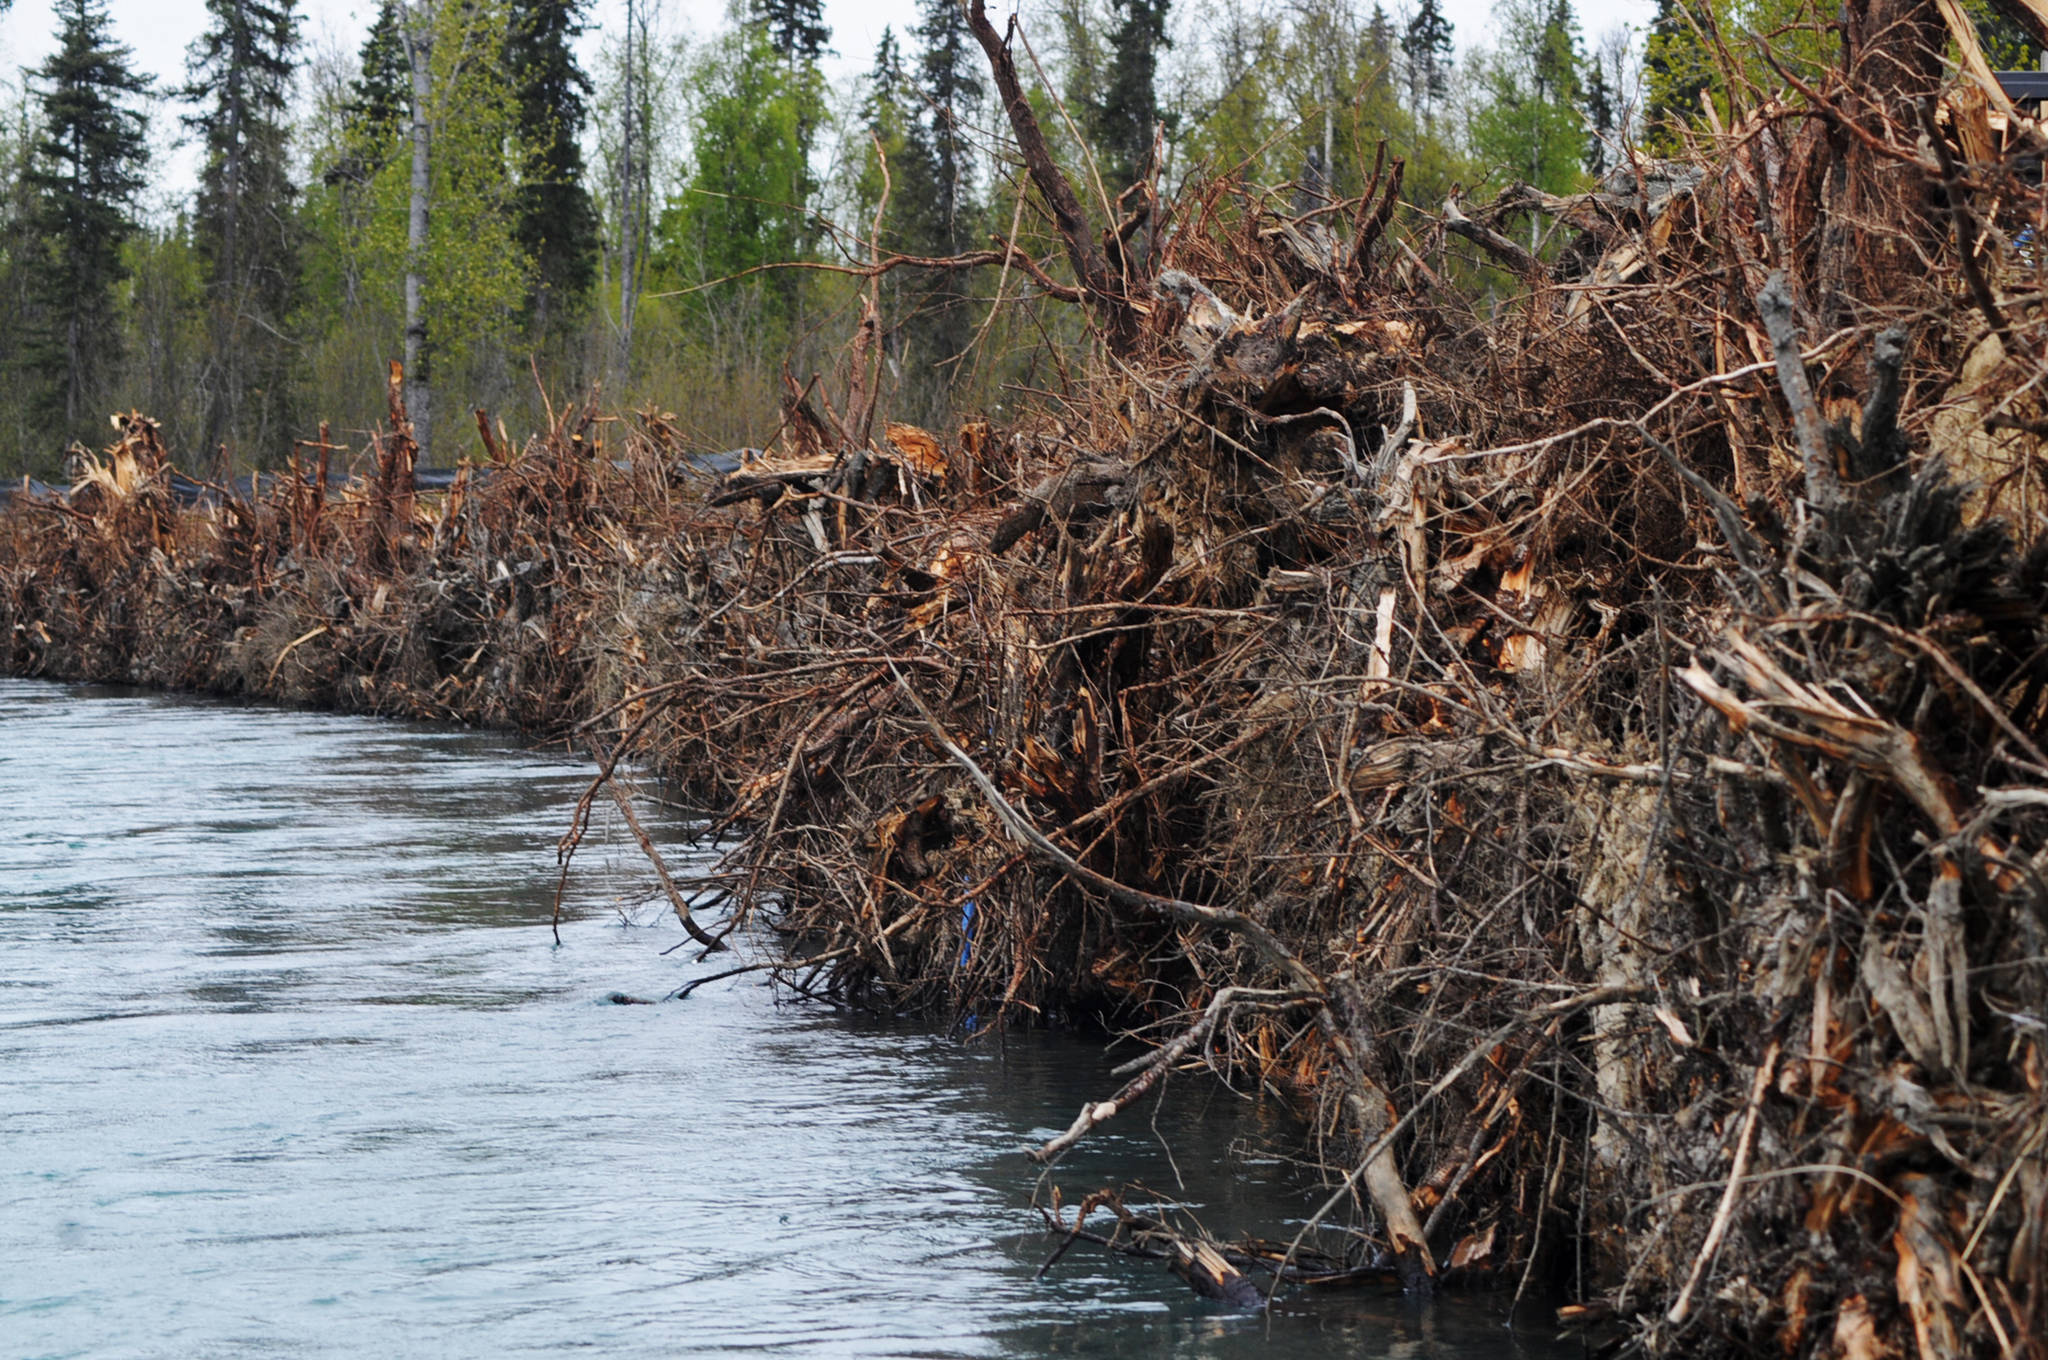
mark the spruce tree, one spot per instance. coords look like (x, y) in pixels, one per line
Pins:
(1379, 39)
(87, 173)
(22, 430)
(951, 88)
(380, 99)
(744, 204)
(933, 208)
(1530, 123)
(796, 28)
(244, 227)
(1601, 115)
(557, 222)
(890, 111)
(1428, 46)
(1130, 98)
(1676, 70)
(883, 109)
(1556, 58)
(795, 31)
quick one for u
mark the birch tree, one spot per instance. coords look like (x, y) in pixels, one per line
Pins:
(416, 209)
(418, 33)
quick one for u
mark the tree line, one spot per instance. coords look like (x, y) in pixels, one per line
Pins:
(453, 188)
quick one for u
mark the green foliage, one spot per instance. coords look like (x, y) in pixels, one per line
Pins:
(171, 359)
(556, 221)
(1345, 93)
(1123, 119)
(888, 115)
(2007, 46)
(378, 98)
(1530, 126)
(1428, 45)
(1232, 119)
(950, 91)
(1683, 61)
(919, 113)
(476, 271)
(25, 443)
(267, 298)
(245, 230)
(796, 29)
(745, 203)
(85, 176)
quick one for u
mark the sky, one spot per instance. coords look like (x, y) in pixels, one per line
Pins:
(161, 30)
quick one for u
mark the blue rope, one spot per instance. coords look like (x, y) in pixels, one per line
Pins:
(968, 1021)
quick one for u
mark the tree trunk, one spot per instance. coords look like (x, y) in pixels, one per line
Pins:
(1892, 60)
(418, 52)
(629, 292)
(1102, 286)
(225, 363)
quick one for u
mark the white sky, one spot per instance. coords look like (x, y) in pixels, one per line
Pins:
(161, 30)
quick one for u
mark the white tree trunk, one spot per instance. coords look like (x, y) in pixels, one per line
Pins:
(418, 31)
(629, 214)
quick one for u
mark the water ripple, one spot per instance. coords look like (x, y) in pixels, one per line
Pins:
(292, 1067)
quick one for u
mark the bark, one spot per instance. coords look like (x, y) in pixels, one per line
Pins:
(227, 395)
(629, 280)
(1107, 293)
(418, 53)
(1892, 60)
(1823, 486)
(1618, 938)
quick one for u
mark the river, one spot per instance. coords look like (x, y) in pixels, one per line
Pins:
(290, 1065)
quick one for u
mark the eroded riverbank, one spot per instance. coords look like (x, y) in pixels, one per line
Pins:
(1580, 742)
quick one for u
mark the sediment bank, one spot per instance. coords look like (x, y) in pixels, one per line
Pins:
(1586, 751)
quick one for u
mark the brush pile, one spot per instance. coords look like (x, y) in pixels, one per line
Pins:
(1587, 749)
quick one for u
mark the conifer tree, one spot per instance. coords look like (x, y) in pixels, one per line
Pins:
(951, 87)
(379, 101)
(934, 208)
(888, 83)
(743, 206)
(244, 228)
(1601, 114)
(1379, 39)
(1427, 44)
(1675, 70)
(1556, 59)
(893, 112)
(1130, 98)
(87, 173)
(556, 220)
(796, 29)
(1531, 124)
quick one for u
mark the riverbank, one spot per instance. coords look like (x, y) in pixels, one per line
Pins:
(1585, 751)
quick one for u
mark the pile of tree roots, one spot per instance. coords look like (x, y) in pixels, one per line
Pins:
(1581, 738)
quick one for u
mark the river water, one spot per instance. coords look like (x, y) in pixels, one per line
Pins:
(290, 1065)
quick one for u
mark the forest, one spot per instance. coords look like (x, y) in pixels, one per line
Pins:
(620, 227)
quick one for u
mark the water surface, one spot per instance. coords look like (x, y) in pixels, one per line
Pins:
(291, 1066)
